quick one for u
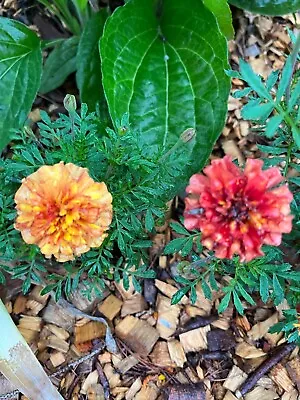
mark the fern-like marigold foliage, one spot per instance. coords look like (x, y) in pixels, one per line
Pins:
(238, 211)
(63, 211)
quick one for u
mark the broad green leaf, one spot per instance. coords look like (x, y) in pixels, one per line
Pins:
(273, 125)
(88, 75)
(20, 74)
(268, 7)
(60, 63)
(175, 245)
(221, 10)
(163, 69)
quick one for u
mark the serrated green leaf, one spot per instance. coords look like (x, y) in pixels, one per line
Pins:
(179, 295)
(174, 246)
(278, 291)
(296, 180)
(268, 7)
(273, 125)
(246, 295)
(285, 79)
(88, 75)
(253, 80)
(179, 228)
(241, 93)
(168, 75)
(20, 74)
(60, 63)
(187, 248)
(221, 11)
(212, 281)
(238, 304)
(193, 295)
(206, 290)
(149, 220)
(264, 287)
(272, 79)
(142, 244)
(257, 112)
(224, 303)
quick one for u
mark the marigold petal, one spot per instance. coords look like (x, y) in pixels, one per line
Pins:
(63, 211)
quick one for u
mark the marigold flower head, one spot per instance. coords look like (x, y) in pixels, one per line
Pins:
(63, 211)
(238, 211)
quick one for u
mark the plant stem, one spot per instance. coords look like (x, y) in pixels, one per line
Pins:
(19, 364)
(294, 56)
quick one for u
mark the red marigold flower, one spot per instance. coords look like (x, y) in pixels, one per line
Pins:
(63, 211)
(237, 212)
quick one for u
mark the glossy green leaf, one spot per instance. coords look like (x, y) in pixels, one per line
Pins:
(221, 10)
(163, 69)
(268, 7)
(88, 75)
(60, 63)
(20, 74)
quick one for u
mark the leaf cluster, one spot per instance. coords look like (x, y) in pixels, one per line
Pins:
(113, 156)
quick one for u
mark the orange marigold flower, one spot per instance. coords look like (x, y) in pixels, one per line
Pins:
(238, 211)
(63, 211)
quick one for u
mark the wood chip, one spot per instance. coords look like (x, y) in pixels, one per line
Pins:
(177, 353)
(56, 343)
(139, 335)
(293, 395)
(194, 340)
(261, 328)
(230, 396)
(235, 378)
(160, 355)
(148, 392)
(57, 315)
(133, 305)
(31, 323)
(57, 358)
(35, 294)
(95, 392)
(231, 148)
(169, 290)
(34, 307)
(91, 330)
(90, 380)
(134, 388)
(246, 350)
(293, 369)
(126, 364)
(111, 307)
(20, 304)
(112, 376)
(202, 302)
(59, 332)
(280, 376)
(167, 319)
(261, 393)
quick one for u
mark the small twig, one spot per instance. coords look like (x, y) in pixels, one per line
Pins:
(103, 380)
(263, 369)
(60, 371)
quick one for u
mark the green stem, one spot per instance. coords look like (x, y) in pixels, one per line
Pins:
(294, 56)
(288, 159)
